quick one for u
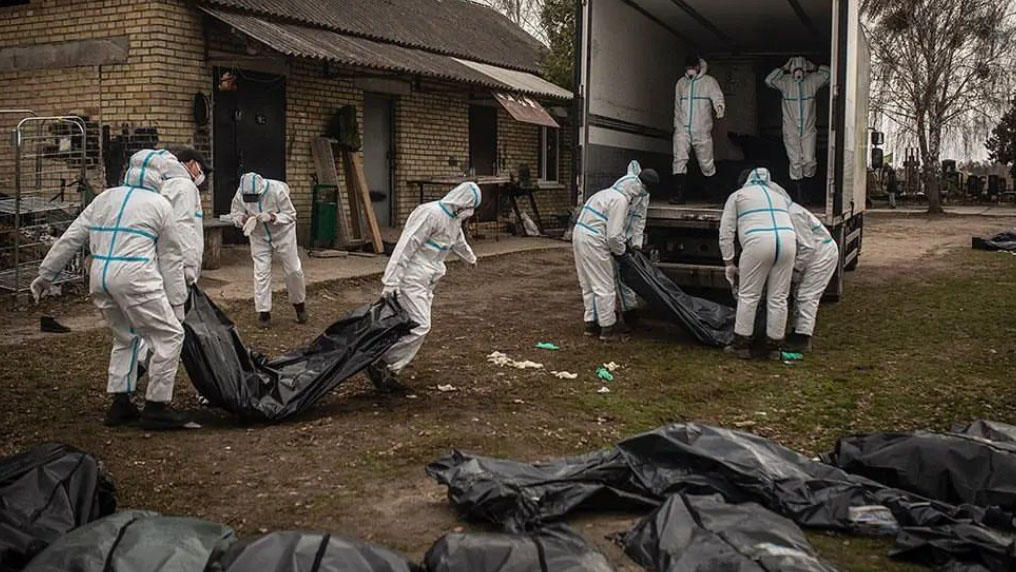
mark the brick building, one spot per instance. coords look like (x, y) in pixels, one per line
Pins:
(253, 82)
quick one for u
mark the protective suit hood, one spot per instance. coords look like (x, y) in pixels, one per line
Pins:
(759, 176)
(703, 68)
(176, 170)
(253, 184)
(461, 201)
(629, 184)
(148, 168)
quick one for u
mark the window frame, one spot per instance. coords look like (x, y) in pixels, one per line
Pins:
(541, 156)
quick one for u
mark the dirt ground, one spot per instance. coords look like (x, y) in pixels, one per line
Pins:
(923, 338)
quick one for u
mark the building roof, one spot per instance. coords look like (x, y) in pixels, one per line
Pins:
(298, 40)
(451, 27)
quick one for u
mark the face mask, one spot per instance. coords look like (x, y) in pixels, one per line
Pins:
(690, 74)
(199, 180)
(798, 74)
(464, 214)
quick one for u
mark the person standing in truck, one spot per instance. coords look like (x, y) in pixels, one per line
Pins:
(758, 216)
(696, 96)
(798, 81)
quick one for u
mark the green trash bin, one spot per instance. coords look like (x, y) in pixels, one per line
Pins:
(324, 211)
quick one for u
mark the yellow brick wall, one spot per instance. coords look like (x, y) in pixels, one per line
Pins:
(154, 88)
(167, 65)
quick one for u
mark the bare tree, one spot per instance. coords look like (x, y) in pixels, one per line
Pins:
(941, 67)
(525, 13)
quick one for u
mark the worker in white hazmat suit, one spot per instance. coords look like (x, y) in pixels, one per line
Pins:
(137, 282)
(758, 216)
(263, 209)
(600, 233)
(798, 81)
(634, 233)
(181, 188)
(696, 96)
(432, 231)
(815, 263)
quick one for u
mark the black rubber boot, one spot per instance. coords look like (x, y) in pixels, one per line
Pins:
(49, 325)
(158, 416)
(121, 411)
(622, 327)
(772, 349)
(678, 197)
(610, 334)
(592, 329)
(301, 313)
(264, 318)
(798, 343)
(631, 318)
(740, 347)
(384, 380)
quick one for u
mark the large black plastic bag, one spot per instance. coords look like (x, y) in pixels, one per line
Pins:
(957, 548)
(291, 551)
(44, 493)
(555, 548)
(711, 323)
(135, 541)
(990, 430)
(521, 496)
(705, 533)
(233, 377)
(1005, 240)
(949, 467)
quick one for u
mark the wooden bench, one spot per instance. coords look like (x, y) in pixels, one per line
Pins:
(211, 259)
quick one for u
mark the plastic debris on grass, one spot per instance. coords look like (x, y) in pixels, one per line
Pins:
(502, 360)
(564, 375)
(547, 346)
(791, 356)
(603, 389)
(447, 388)
(604, 374)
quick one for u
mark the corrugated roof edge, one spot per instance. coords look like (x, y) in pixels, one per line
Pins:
(535, 69)
(490, 82)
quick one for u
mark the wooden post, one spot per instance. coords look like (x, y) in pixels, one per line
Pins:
(356, 185)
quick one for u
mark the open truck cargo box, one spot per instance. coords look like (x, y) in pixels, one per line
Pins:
(630, 54)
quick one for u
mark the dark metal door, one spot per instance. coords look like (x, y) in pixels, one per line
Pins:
(482, 139)
(378, 154)
(250, 131)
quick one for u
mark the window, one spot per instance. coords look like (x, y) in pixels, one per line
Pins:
(5, 3)
(549, 154)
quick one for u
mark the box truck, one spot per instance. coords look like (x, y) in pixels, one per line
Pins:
(629, 56)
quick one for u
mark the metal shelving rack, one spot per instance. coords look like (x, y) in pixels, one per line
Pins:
(50, 188)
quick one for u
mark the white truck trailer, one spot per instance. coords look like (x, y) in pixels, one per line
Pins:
(629, 56)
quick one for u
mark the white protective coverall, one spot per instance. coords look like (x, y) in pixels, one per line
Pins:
(270, 238)
(137, 273)
(432, 231)
(634, 234)
(816, 262)
(183, 195)
(758, 214)
(799, 113)
(599, 233)
(694, 101)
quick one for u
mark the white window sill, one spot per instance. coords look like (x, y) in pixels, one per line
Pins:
(549, 185)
